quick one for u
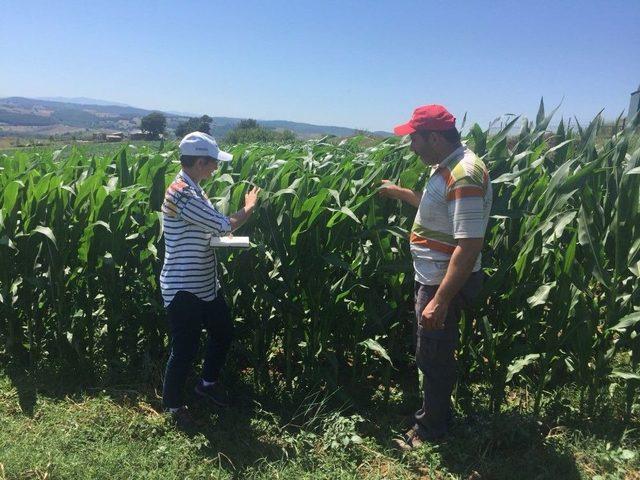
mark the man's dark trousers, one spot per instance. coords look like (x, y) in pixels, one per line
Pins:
(188, 315)
(435, 356)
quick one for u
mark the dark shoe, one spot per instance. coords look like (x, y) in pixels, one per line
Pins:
(409, 441)
(415, 438)
(216, 393)
(182, 418)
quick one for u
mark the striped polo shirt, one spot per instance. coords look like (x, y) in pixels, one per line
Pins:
(189, 222)
(455, 204)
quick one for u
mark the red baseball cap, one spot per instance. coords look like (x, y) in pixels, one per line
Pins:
(427, 117)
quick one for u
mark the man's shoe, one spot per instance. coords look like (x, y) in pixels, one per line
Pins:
(182, 418)
(409, 441)
(415, 438)
(216, 393)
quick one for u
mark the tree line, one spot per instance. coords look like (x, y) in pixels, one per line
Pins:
(246, 131)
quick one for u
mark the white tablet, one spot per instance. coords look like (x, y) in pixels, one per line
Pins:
(230, 241)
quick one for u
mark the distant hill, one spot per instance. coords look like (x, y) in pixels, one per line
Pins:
(44, 117)
(82, 101)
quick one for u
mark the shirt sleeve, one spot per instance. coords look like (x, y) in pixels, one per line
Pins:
(466, 204)
(181, 202)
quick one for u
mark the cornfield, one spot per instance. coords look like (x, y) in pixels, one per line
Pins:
(326, 293)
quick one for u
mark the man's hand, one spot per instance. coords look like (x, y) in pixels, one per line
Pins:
(434, 315)
(390, 190)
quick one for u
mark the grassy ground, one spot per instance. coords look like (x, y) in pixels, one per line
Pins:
(52, 431)
(87, 148)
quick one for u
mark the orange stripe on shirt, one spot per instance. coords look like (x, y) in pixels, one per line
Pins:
(446, 174)
(466, 191)
(169, 208)
(432, 244)
(177, 187)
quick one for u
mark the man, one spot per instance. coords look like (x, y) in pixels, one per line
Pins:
(189, 282)
(446, 240)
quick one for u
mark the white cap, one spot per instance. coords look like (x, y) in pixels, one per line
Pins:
(200, 144)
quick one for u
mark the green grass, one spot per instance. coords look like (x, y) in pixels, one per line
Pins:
(84, 148)
(49, 431)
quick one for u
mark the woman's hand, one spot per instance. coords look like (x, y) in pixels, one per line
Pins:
(251, 198)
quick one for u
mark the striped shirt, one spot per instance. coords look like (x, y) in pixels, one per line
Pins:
(455, 204)
(189, 222)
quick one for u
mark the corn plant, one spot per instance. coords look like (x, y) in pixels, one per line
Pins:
(326, 292)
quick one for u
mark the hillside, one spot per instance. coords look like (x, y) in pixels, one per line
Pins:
(30, 117)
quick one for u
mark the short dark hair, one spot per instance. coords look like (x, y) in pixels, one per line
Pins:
(190, 160)
(452, 135)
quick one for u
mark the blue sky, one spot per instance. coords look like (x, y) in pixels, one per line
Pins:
(362, 64)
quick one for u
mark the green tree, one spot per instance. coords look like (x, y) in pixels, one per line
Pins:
(250, 131)
(288, 136)
(194, 124)
(155, 123)
(248, 124)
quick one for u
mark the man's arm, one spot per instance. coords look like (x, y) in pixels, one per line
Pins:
(391, 190)
(460, 267)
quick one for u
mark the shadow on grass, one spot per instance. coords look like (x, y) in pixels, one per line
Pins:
(504, 446)
(480, 444)
(52, 382)
(26, 386)
(236, 438)
(509, 445)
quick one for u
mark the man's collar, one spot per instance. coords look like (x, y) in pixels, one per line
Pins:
(453, 156)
